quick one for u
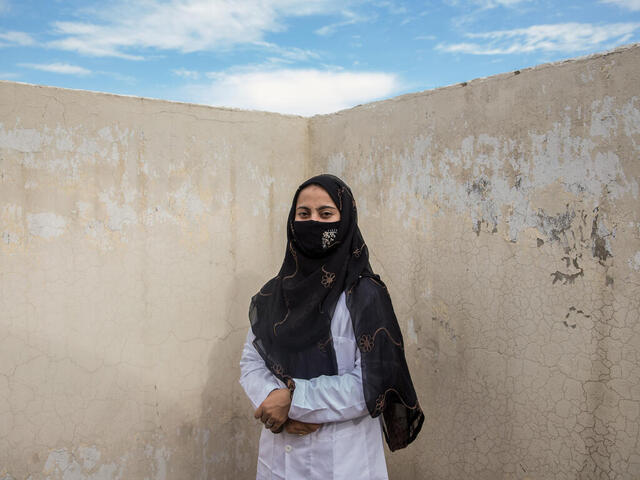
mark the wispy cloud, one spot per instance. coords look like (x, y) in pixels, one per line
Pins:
(188, 74)
(16, 38)
(474, 11)
(300, 92)
(62, 68)
(485, 4)
(289, 54)
(633, 5)
(126, 29)
(499, 3)
(4, 6)
(392, 7)
(123, 78)
(350, 19)
(563, 37)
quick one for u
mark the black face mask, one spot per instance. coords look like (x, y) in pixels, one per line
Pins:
(315, 238)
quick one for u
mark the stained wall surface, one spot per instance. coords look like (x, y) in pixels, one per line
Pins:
(503, 215)
(133, 234)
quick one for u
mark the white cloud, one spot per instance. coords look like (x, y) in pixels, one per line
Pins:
(183, 25)
(477, 10)
(188, 74)
(633, 5)
(299, 92)
(485, 4)
(63, 68)
(499, 3)
(289, 54)
(563, 37)
(131, 80)
(15, 38)
(351, 18)
(392, 7)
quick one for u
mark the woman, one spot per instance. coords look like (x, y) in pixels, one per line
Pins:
(324, 356)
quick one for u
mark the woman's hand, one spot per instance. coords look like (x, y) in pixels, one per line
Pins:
(300, 428)
(273, 412)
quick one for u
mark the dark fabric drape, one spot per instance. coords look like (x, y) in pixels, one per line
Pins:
(291, 318)
(388, 389)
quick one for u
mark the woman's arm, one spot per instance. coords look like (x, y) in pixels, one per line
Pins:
(323, 399)
(330, 398)
(333, 398)
(255, 377)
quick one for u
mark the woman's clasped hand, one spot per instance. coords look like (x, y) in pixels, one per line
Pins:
(273, 414)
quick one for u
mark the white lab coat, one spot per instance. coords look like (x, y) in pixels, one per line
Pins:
(349, 443)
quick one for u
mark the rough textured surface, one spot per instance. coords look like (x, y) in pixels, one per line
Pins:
(133, 234)
(503, 215)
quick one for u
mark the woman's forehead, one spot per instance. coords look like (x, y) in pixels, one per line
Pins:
(314, 195)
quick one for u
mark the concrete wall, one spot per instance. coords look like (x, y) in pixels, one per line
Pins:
(503, 214)
(133, 234)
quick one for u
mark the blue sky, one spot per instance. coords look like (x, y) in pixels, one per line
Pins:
(295, 56)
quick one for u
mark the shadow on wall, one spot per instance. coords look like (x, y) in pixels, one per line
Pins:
(230, 449)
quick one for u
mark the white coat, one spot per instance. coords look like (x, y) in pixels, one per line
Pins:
(349, 443)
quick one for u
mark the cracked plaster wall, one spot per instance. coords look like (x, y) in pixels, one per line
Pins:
(503, 215)
(132, 235)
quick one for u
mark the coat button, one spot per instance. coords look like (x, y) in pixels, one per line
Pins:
(287, 448)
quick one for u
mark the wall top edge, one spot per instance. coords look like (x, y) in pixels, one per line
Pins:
(404, 97)
(481, 80)
(148, 99)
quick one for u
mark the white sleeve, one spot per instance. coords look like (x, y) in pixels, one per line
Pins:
(330, 398)
(256, 379)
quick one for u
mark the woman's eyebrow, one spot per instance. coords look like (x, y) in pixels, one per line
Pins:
(322, 207)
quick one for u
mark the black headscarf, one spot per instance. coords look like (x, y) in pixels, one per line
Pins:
(291, 318)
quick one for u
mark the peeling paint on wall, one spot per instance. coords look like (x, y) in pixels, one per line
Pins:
(119, 215)
(518, 207)
(46, 224)
(557, 159)
(81, 464)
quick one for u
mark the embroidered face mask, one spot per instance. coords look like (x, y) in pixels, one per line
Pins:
(316, 238)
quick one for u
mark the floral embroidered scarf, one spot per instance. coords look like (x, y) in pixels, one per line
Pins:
(291, 318)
